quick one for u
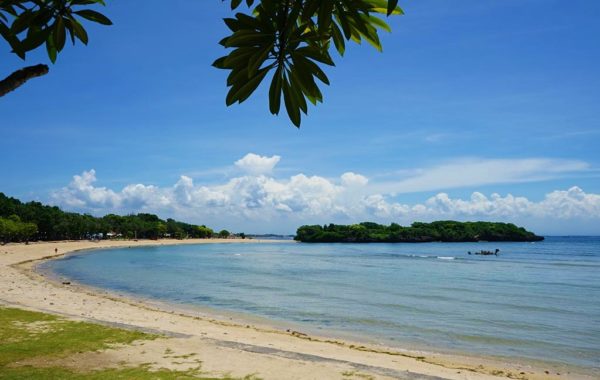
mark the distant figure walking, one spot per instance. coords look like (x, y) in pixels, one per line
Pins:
(55, 250)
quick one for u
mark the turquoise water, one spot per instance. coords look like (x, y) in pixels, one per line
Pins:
(534, 301)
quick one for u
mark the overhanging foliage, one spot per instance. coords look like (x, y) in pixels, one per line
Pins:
(286, 40)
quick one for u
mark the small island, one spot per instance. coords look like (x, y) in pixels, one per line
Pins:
(440, 231)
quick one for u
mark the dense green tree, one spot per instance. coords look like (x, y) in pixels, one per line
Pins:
(204, 232)
(13, 229)
(28, 221)
(175, 230)
(446, 231)
(224, 234)
(290, 40)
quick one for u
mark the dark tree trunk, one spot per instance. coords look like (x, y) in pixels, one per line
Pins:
(19, 77)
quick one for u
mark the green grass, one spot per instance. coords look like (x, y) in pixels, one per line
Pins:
(56, 373)
(26, 335)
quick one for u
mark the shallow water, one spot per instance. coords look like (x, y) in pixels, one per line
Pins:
(534, 301)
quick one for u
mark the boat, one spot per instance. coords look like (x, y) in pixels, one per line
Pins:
(486, 253)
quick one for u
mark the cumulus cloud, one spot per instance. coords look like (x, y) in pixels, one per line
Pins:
(255, 164)
(353, 179)
(262, 203)
(82, 193)
(570, 204)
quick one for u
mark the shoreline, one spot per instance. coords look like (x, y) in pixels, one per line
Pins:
(266, 350)
(265, 324)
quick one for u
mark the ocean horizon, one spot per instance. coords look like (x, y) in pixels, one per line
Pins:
(534, 301)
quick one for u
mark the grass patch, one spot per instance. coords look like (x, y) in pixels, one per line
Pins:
(137, 373)
(26, 335)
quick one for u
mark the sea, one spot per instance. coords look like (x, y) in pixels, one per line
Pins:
(534, 301)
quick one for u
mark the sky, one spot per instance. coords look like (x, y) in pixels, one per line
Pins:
(475, 110)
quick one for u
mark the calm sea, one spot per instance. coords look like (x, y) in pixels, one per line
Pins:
(534, 301)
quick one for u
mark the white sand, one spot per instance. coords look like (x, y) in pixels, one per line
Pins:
(222, 346)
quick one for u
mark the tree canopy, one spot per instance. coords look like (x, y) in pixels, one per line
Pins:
(13, 229)
(290, 40)
(444, 231)
(30, 24)
(34, 221)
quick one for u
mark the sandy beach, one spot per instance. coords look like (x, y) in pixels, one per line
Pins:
(224, 346)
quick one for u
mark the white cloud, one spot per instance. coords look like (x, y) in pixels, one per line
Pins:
(255, 164)
(353, 179)
(81, 193)
(260, 203)
(479, 172)
(570, 204)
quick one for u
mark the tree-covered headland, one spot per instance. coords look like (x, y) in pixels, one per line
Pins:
(441, 231)
(34, 221)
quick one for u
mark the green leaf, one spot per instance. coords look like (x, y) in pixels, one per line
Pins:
(35, 38)
(290, 104)
(248, 38)
(296, 92)
(59, 34)
(311, 67)
(338, 39)
(94, 16)
(232, 24)
(316, 54)
(310, 7)
(235, 4)
(79, 31)
(51, 49)
(238, 76)
(303, 76)
(238, 57)
(22, 22)
(345, 24)
(12, 40)
(379, 22)
(240, 93)
(69, 27)
(219, 63)
(381, 6)
(247, 22)
(258, 58)
(325, 15)
(392, 4)
(275, 92)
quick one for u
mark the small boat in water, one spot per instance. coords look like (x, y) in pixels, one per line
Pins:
(486, 253)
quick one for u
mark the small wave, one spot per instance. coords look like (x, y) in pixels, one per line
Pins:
(432, 257)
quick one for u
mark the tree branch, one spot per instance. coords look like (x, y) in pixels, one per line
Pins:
(19, 77)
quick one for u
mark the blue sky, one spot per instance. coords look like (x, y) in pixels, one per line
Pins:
(467, 97)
